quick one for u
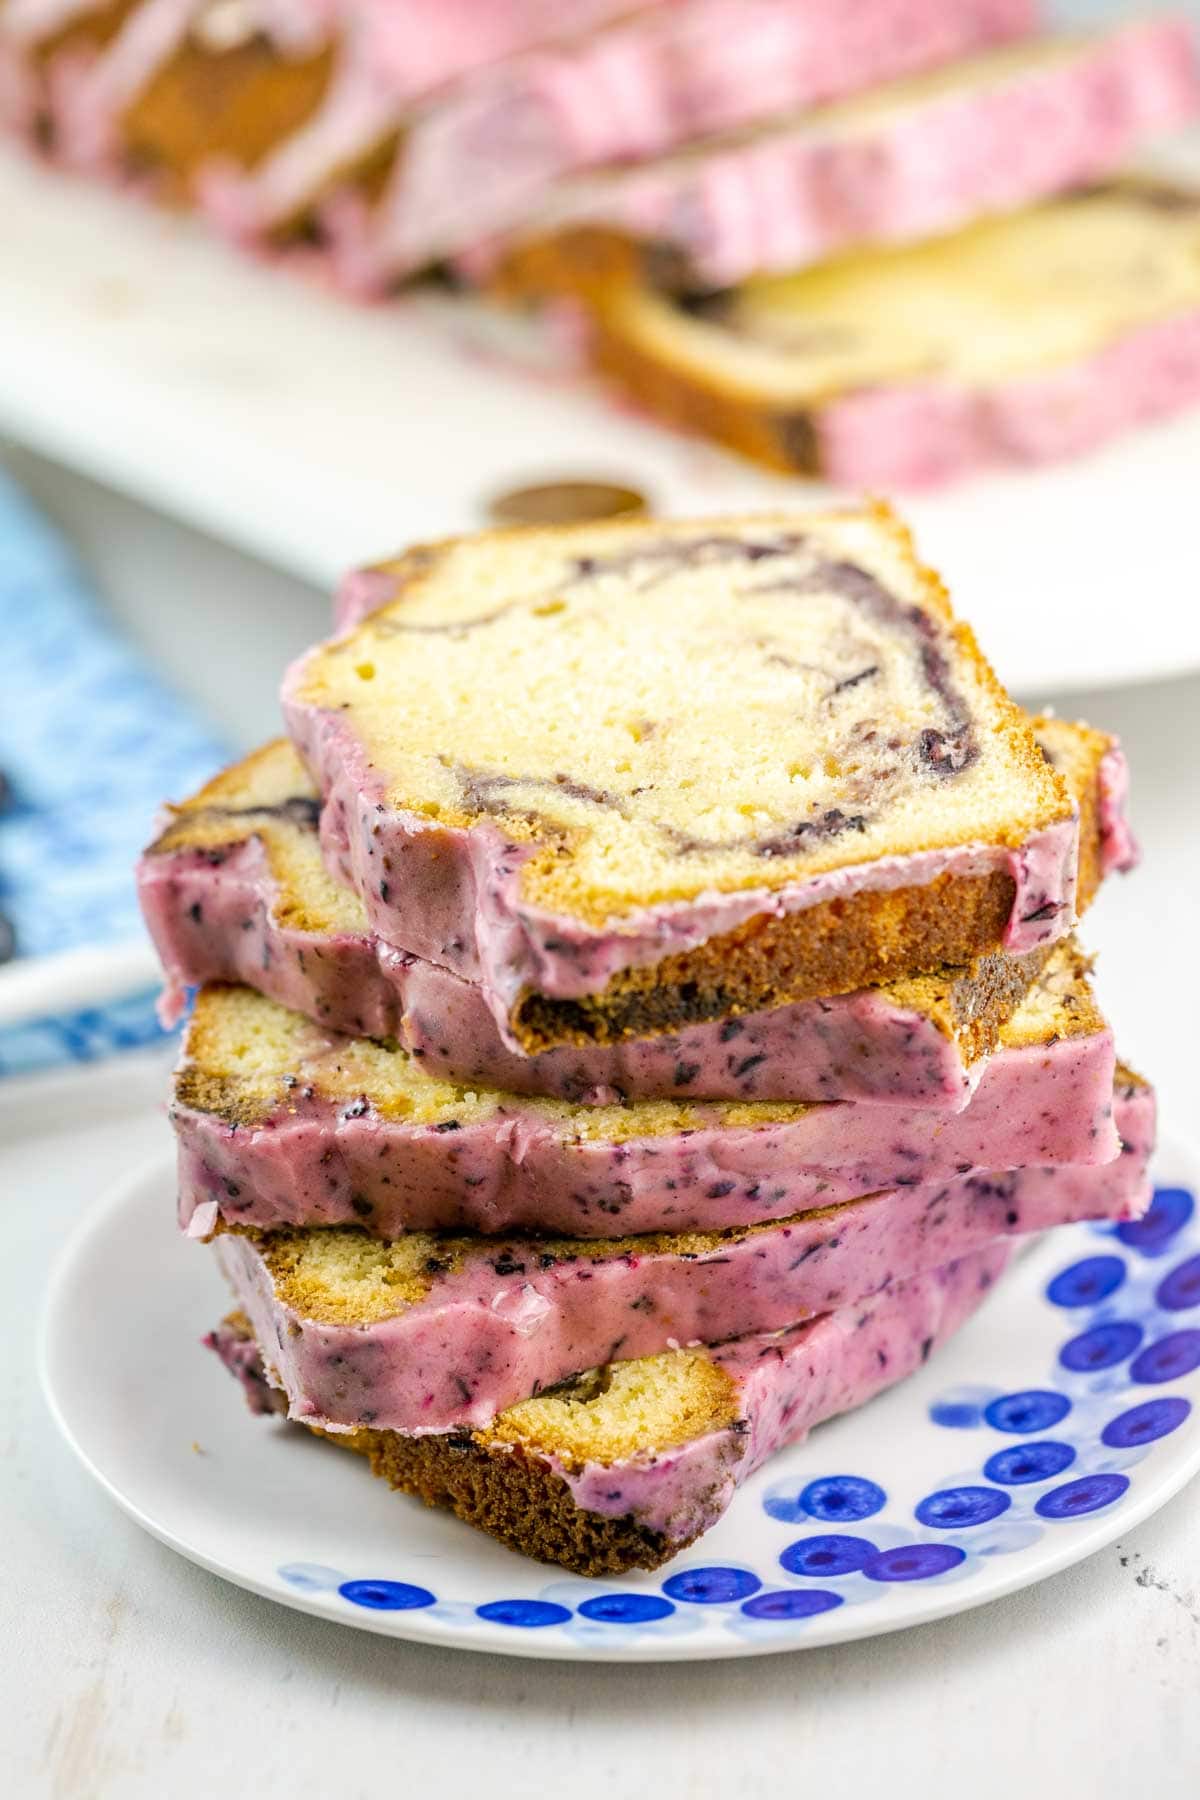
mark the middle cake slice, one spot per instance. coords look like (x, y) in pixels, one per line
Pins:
(282, 1123)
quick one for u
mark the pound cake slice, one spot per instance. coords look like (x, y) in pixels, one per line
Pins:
(636, 775)
(918, 158)
(279, 1123)
(625, 1466)
(234, 891)
(1031, 336)
(425, 1332)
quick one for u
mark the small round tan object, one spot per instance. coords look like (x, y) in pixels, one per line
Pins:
(565, 503)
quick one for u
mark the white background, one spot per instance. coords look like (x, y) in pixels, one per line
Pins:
(127, 1674)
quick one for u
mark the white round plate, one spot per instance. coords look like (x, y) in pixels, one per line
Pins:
(1064, 1413)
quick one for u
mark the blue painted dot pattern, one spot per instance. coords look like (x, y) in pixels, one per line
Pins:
(1143, 1424)
(1168, 1213)
(1031, 1410)
(827, 1556)
(711, 1587)
(626, 1609)
(386, 1596)
(792, 1603)
(1121, 1350)
(914, 1562)
(1087, 1494)
(1103, 1346)
(955, 1415)
(1017, 1464)
(1180, 1290)
(843, 1498)
(1168, 1359)
(958, 1508)
(528, 1615)
(1088, 1282)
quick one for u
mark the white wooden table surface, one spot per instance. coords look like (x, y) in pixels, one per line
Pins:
(127, 1674)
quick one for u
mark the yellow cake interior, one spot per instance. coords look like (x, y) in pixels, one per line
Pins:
(247, 1058)
(667, 709)
(1007, 297)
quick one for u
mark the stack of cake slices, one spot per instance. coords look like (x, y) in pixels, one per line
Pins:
(886, 242)
(637, 1013)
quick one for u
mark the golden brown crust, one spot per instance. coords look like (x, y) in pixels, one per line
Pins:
(510, 1494)
(582, 261)
(1082, 752)
(513, 1497)
(92, 31)
(235, 103)
(788, 440)
(835, 947)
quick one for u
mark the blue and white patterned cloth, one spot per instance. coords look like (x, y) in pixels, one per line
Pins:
(91, 741)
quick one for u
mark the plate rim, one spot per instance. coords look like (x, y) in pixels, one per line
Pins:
(411, 1627)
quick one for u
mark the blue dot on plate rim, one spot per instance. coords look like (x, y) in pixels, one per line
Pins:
(626, 1609)
(1086, 1494)
(526, 1615)
(842, 1498)
(1102, 1346)
(1027, 1411)
(792, 1603)
(959, 1508)
(1017, 1464)
(715, 1586)
(827, 1556)
(955, 1415)
(1180, 1290)
(1088, 1282)
(1168, 1358)
(914, 1562)
(386, 1596)
(1144, 1424)
(1168, 1213)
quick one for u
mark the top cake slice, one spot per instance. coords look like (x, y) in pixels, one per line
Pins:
(632, 774)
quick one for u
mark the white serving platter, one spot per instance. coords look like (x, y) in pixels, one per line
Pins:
(319, 435)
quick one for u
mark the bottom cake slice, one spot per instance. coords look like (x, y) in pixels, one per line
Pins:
(623, 1467)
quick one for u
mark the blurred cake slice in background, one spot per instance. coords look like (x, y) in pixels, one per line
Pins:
(910, 160)
(1034, 335)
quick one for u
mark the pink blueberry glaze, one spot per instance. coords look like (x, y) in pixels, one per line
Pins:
(487, 154)
(786, 1383)
(318, 1161)
(453, 896)
(393, 52)
(241, 1356)
(1119, 850)
(395, 57)
(512, 1317)
(923, 434)
(212, 917)
(805, 191)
